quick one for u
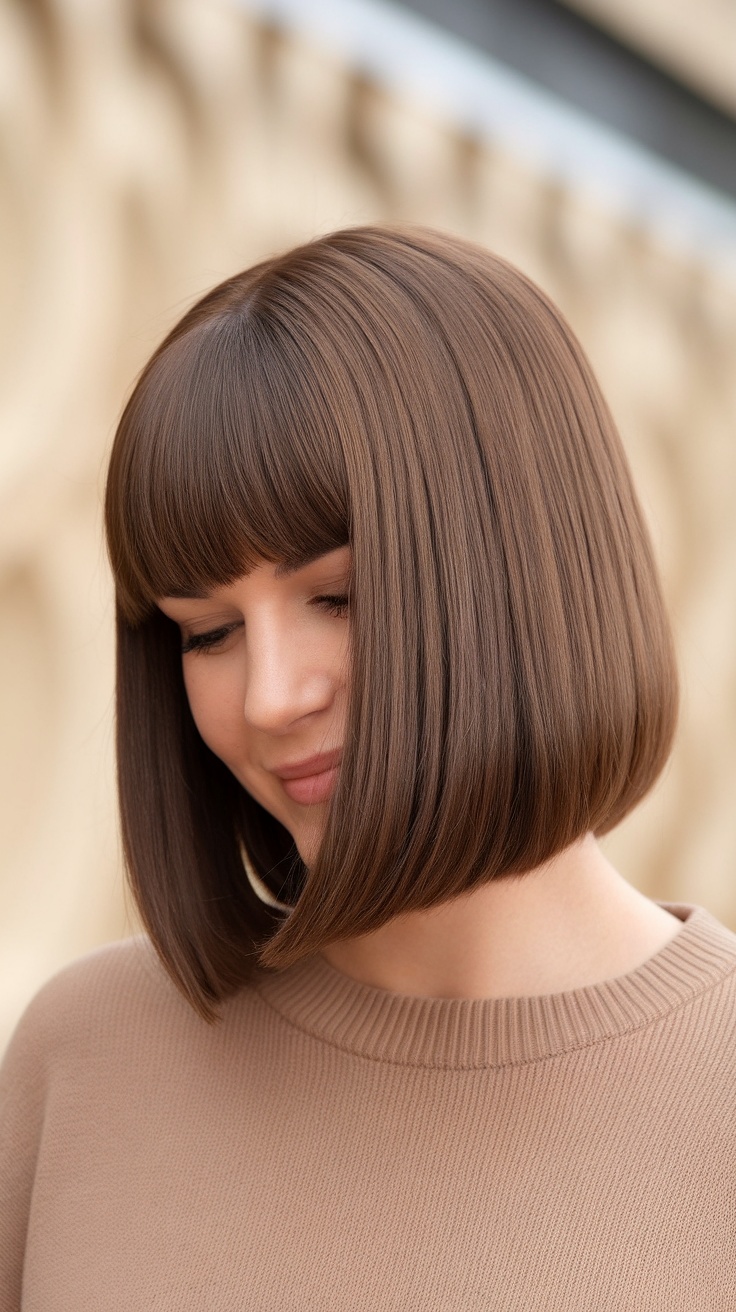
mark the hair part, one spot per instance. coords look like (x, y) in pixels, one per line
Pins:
(512, 677)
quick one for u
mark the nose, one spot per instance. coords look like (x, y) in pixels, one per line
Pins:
(285, 682)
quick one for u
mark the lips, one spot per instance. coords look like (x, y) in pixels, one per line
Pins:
(312, 779)
(310, 765)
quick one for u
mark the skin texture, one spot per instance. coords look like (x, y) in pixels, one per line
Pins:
(273, 691)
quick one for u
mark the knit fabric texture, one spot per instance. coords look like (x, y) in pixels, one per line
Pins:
(335, 1147)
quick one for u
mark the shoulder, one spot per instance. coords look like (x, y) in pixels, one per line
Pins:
(93, 997)
(81, 1040)
(126, 961)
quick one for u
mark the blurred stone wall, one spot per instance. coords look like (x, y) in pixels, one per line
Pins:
(695, 40)
(148, 150)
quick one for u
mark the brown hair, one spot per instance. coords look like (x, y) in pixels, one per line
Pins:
(512, 675)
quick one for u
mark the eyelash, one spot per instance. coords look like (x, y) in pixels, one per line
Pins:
(336, 606)
(203, 642)
(207, 641)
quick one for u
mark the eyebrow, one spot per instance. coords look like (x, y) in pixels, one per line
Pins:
(284, 569)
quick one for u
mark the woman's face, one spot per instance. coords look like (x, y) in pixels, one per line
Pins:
(265, 669)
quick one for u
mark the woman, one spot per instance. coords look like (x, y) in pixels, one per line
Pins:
(391, 655)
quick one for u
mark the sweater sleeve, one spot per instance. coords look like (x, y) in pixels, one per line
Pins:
(22, 1099)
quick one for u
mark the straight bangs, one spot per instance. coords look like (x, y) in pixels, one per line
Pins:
(223, 461)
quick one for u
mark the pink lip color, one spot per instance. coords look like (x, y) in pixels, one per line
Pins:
(312, 788)
(309, 765)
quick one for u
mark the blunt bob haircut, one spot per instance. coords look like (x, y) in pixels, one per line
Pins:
(512, 681)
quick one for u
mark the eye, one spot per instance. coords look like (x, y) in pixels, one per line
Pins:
(337, 606)
(208, 641)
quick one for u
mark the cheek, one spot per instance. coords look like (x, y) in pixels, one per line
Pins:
(217, 709)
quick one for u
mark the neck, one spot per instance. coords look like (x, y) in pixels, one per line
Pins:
(570, 923)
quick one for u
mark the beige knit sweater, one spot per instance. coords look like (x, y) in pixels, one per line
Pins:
(334, 1146)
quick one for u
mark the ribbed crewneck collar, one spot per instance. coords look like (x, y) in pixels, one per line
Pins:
(460, 1033)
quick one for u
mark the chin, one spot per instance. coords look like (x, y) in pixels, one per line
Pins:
(307, 840)
(305, 829)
